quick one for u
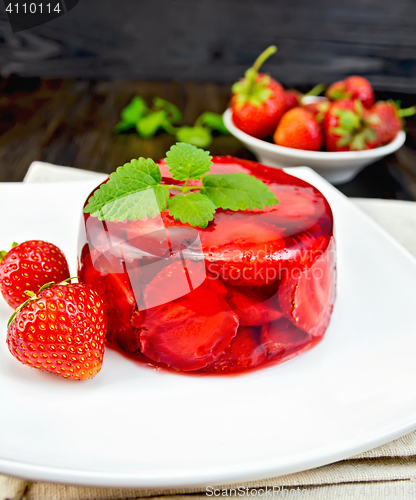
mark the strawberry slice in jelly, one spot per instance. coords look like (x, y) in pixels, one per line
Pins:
(242, 250)
(255, 306)
(190, 332)
(119, 303)
(281, 337)
(299, 208)
(297, 203)
(243, 353)
(307, 298)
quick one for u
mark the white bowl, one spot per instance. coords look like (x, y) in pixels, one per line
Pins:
(335, 167)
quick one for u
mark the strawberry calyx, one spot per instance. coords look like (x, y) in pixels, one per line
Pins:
(322, 109)
(353, 128)
(337, 91)
(251, 88)
(360, 140)
(402, 112)
(33, 296)
(3, 253)
(338, 94)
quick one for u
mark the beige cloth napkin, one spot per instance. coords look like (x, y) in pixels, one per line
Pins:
(385, 472)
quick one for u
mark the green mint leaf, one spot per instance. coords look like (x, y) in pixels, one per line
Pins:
(195, 208)
(174, 115)
(133, 192)
(212, 121)
(133, 111)
(197, 136)
(237, 191)
(148, 125)
(186, 161)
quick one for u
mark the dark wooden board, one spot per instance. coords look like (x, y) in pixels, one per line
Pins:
(216, 40)
(70, 122)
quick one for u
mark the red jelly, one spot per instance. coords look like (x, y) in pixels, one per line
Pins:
(254, 288)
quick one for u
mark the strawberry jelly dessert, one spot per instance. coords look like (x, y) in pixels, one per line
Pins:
(253, 288)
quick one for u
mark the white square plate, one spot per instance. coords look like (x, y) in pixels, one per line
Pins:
(136, 427)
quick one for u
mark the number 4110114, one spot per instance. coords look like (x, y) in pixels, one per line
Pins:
(33, 8)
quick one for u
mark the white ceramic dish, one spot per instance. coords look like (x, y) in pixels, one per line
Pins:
(335, 167)
(136, 427)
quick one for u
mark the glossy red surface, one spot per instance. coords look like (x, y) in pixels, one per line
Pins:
(252, 289)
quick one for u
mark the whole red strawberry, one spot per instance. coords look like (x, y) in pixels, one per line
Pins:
(28, 266)
(318, 108)
(353, 87)
(293, 99)
(258, 102)
(60, 330)
(347, 128)
(386, 118)
(298, 129)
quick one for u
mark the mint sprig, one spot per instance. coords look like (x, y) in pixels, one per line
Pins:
(133, 192)
(163, 115)
(148, 121)
(136, 191)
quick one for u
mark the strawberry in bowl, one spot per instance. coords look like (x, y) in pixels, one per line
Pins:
(354, 87)
(201, 262)
(343, 132)
(299, 129)
(258, 101)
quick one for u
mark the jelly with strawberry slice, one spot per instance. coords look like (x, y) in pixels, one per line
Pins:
(253, 289)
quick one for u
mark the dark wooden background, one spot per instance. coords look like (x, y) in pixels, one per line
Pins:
(216, 40)
(70, 122)
(63, 84)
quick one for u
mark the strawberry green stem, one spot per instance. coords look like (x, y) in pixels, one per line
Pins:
(407, 112)
(263, 56)
(251, 73)
(318, 89)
